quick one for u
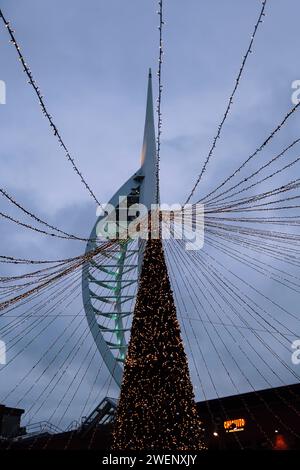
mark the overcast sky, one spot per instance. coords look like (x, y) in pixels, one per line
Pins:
(91, 60)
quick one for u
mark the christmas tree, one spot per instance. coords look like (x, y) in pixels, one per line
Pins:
(157, 409)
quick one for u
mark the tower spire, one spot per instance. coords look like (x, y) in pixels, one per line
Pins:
(148, 151)
(148, 155)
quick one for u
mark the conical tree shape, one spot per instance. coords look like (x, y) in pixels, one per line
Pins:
(157, 408)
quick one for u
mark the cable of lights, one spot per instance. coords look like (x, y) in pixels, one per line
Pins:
(230, 102)
(45, 111)
(39, 220)
(159, 99)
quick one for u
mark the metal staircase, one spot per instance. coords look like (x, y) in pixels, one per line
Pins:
(102, 414)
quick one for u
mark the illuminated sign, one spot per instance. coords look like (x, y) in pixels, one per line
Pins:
(234, 425)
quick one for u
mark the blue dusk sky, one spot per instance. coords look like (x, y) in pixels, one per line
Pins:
(91, 60)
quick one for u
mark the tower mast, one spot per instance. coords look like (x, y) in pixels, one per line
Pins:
(139, 188)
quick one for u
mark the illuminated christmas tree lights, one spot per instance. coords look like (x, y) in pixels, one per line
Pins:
(157, 408)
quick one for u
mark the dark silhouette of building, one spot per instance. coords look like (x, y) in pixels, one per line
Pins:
(10, 419)
(267, 419)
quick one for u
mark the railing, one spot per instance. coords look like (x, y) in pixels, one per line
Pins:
(42, 427)
(72, 426)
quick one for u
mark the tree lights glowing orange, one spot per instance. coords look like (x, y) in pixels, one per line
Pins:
(157, 407)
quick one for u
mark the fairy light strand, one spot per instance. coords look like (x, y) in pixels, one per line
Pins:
(261, 168)
(230, 102)
(256, 152)
(45, 111)
(4, 305)
(38, 230)
(39, 220)
(287, 427)
(159, 99)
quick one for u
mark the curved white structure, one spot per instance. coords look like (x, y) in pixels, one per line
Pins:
(109, 311)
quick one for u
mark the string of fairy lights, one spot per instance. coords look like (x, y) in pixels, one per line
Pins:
(231, 98)
(39, 230)
(62, 233)
(233, 337)
(251, 238)
(269, 138)
(40, 97)
(56, 277)
(159, 99)
(261, 168)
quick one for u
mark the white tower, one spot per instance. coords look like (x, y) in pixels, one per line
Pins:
(109, 288)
